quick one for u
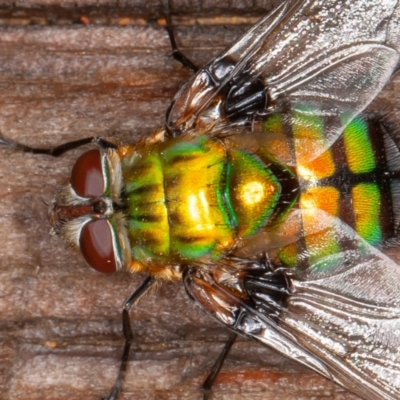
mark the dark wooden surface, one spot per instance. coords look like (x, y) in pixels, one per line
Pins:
(60, 328)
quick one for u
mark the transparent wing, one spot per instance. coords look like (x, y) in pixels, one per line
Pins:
(336, 311)
(333, 56)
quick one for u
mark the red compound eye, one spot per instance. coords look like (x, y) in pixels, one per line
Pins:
(87, 175)
(96, 245)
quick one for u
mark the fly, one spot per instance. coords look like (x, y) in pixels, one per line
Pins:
(267, 193)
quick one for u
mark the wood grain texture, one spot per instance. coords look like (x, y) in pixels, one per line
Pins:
(60, 326)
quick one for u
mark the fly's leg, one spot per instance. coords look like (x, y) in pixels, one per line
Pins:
(207, 385)
(128, 335)
(176, 53)
(57, 150)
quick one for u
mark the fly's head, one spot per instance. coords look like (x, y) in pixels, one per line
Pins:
(88, 211)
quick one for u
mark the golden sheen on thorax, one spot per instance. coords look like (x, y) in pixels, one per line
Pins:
(229, 194)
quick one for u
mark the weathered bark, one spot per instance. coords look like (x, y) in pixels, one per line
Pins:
(60, 326)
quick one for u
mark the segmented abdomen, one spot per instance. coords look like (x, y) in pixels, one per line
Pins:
(356, 179)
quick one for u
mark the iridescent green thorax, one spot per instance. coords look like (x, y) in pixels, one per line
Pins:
(192, 199)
